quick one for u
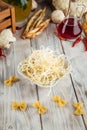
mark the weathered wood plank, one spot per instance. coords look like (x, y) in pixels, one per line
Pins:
(21, 91)
(74, 54)
(5, 24)
(80, 80)
(27, 92)
(4, 14)
(57, 118)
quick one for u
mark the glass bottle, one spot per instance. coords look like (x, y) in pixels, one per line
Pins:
(70, 28)
(22, 8)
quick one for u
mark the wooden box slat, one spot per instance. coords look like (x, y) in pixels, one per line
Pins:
(7, 16)
(13, 19)
(4, 14)
(5, 24)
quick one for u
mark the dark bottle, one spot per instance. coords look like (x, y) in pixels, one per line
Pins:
(70, 28)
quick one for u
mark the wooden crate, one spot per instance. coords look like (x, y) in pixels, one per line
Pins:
(7, 16)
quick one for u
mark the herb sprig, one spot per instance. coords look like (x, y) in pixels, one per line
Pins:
(20, 3)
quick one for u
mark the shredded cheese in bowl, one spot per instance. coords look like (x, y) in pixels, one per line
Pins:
(44, 68)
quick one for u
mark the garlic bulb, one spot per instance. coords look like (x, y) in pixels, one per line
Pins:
(57, 16)
(61, 5)
(34, 4)
(64, 5)
(6, 38)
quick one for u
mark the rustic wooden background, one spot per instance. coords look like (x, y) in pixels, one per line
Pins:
(73, 88)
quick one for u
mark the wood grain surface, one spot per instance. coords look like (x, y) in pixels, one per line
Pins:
(72, 88)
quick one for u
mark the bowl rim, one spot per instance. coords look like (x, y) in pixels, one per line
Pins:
(50, 85)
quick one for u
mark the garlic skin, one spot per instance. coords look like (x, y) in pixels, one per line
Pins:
(64, 4)
(34, 4)
(57, 16)
(6, 38)
(61, 5)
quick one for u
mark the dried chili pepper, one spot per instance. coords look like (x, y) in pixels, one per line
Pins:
(18, 28)
(77, 41)
(1, 53)
(85, 42)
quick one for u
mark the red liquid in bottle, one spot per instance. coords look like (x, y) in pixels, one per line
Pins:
(70, 28)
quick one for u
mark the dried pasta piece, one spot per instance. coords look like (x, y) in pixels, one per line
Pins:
(86, 17)
(23, 106)
(17, 105)
(84, 25)
(35, 32)
(60, 102)
(79, 112)
(11, 80)
(41, 109)
(32, 20)
(79, 108)
(8, 83)
(36, 25)
(14, 79)
(56, 98)
(78, 105)
(39, 19)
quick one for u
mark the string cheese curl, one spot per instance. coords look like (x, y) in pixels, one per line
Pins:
(44, 68)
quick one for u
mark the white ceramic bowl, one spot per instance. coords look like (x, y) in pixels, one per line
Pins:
(51, 84)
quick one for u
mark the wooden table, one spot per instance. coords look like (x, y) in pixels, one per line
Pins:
(72, 88)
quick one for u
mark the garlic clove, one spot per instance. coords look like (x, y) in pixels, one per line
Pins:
(57, 16)
(34, 4)
(6, 37)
